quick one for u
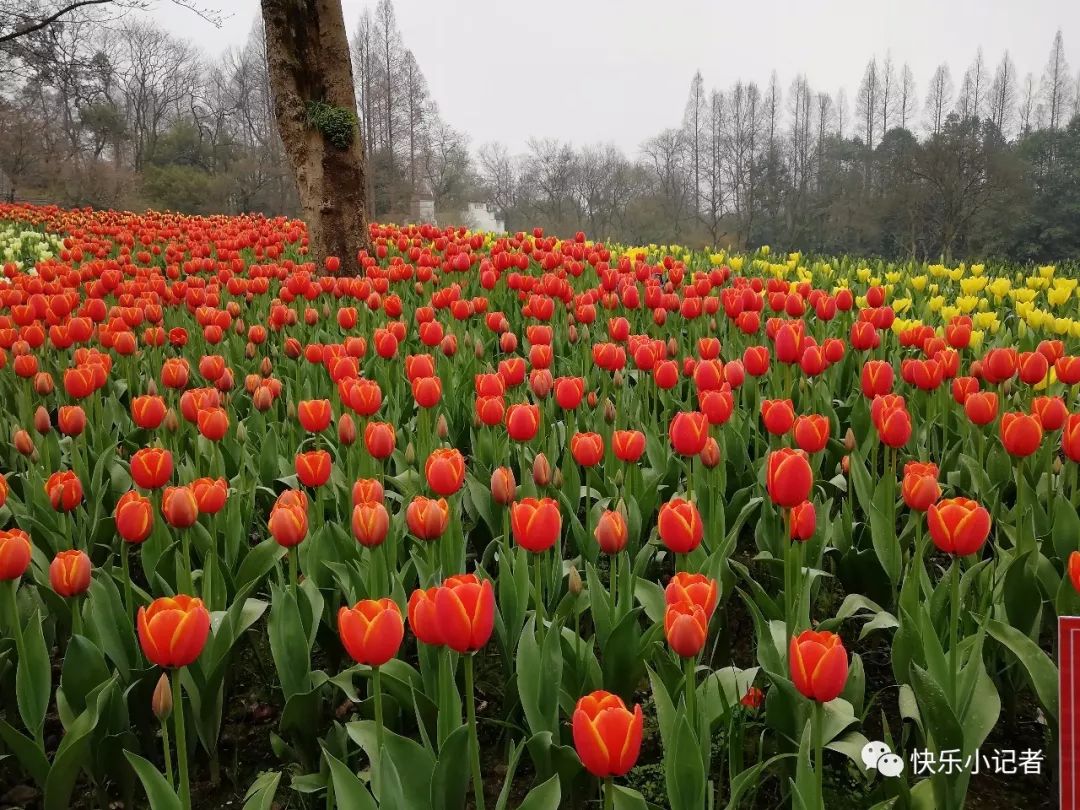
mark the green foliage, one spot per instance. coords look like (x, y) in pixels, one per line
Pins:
(337, 124)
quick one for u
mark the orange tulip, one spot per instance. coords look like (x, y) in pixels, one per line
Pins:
(173, 630)
(134, 517)
(1074, 570)
(587, 448)
(64, 490)
(688, 432)
(71, 419)
(958, 526)
(607, 735)
(367, 490)
(695, 588)
(465, 608)
(611, 532)
(210, 494)
(179, 507)
(788, 477)
(288, 522)
(371, 631)
(686, 628)
(148, 411)
(818, 664)
(536, 524)
(427, 518)
(314, 414)
(423, 618)
(313, 467)
(920, 486)
(69, 573)
(1021, 433)
(151, 467)
(370, 523)
(445, 471)
(379, 438)
(15, 554)
(679, 525)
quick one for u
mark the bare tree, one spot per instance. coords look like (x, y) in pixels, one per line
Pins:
(866, 107)
(841, 112)
(1055, 83)
(938, 98)
(665, 156)
(1002, 95)
(887, 91)
(1027, 109)
(695, 124)
(498, 176)
(20, 18)
(905, 103)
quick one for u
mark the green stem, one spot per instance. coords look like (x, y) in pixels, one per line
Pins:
(478, 784)
(954, 628)
(125, 567)
(819, 752)
(376, 689)
(181, 741)
(690, 678)
(538, 585)
(609, 794)
(294, 576)
(167, 751)
(76, 617)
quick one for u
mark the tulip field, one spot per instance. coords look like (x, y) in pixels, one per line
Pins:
(515, 521)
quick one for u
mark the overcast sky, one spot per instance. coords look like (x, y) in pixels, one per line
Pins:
(619, 70)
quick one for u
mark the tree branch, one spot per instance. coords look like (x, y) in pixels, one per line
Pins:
(45, 22)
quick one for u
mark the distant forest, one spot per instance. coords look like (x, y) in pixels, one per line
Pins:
(112, 111)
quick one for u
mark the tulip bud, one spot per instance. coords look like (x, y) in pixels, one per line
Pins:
(845, 465)
(557, 478)
(410, 453)
(591, 399)
(162, 702)
(849, 440)
(619, 477)
(710, 454)
(609, 411)
(23, 443)
(712, 324)
(172, 422)
(441, 428)
(672, 347)
(503, 486)
(572, 335)
(262, 399)
(1058, 466)
(151, 387)
(346, 430)
(249, 350)
(541, 471)
(573, 582)
(42, 422)
(479, 352)
(290, 411)
(43, 383)
(616, 379)
(1007, 387)
(241, 433)
(326, 310)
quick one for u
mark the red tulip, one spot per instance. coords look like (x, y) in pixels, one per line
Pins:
(64, 490)
(628, 445)
(688, 432)
(69, 573)
(587, 448)
(313, 467)
(173, 630)
(1021, 433)
(1051, 411)
(920, 486)
(379, 439)
(981, 407)
(371, 631)
(536, 523)
(151, 467)
(134, 517)
(788, 477)
(465, 610)
(179, 507)
(522, 422)
(686, 628)
(370, 524)
(812, 432)
(803, 521)
(611, 532)
(314, 414)
(819, 665)
(15, 552)
(427, 518)
(423, 618)
(697, 589)
(607, 735)
(778, 415)
(679, 525)
(958, 526)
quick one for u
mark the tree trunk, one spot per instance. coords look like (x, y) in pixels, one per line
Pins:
(308, 61)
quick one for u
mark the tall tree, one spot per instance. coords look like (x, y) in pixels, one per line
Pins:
(905, 103)
(315, 107)
(695, 127)
(938, 98)
(1002, 96)
(1055, 84)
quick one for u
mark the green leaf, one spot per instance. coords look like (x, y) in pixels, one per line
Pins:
(83, 671)
(627, 799)
(288, 643)
(74, 750)
(349, 792)
(1038, 665)
(409, 759)
(26, 752)
(158, 791)
(260, 795)
(33, 678)
(684, 771)
(883, 535)
(450, 781)
(750, 778)
(539, 674)
(258, 563)
(543, 797)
